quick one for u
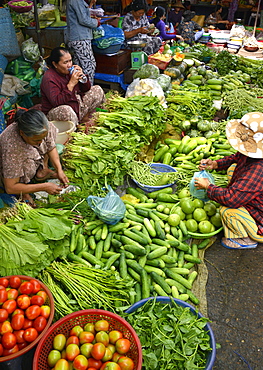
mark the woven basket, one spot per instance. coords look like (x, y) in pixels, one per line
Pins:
(9, 45)
(64, 325)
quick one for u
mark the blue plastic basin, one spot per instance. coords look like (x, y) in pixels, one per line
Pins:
(212, 355)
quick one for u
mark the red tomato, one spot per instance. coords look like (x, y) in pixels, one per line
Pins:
(6, 328)
(94, 363)
(98, 351)
(27, 324)
(26, 288)
(30, 334)
(43, 294)
(85, 337)
(9, 306)
(62, 364)
(40, 323)
(12, 294)
(23, 301)
(80, 363)
(45, 311)
(22, 345)
(76, 330)
(72, 351)
(116, 356)
(18, 311)
(4, 282)
(102, 337)
(92, 368)
(112, 366)
(2, 287)
(3, 315)
(8, 340)
(18, 321)
(122, 345)
(36, 286)
(14, 282)
(19, 336)
(36, 299)
(32, 312)
(104, 365)
(11, 351)
(1, 350)
(72, 339)
(3, 296)
(126, 363)
(114, 335)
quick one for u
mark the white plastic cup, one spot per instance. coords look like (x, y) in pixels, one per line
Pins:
(83, 78)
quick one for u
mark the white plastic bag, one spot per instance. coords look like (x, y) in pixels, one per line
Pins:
(148, 87)
(12, 85)
(200, 193)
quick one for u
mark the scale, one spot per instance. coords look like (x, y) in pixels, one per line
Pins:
(138, 57)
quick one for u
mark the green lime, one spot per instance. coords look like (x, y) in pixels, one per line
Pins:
(187, 205)
(191, 225)
(199, 214)
(184, 193)
(174, 219)
(205, 227)
(216, 220)
(210, 208)
(198, 203)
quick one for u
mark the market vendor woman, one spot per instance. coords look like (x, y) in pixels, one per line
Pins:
(242, 200)
(26, 146)
(64, 96)
(136, 27)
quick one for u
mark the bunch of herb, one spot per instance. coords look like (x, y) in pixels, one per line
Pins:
(172, 336)
(78, 287)
(254, 67)
(102, 157)
(203, 51)
(224, 62)
(33, 238)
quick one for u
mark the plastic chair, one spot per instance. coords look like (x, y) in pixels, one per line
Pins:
(253, 16)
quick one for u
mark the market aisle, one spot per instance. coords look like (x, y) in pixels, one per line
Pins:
(234, 295)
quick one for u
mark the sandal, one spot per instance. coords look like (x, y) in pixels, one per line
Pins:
(225, 241)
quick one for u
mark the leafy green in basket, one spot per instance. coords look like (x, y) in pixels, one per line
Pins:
(172, 337)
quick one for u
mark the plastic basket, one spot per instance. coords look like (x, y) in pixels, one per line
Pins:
(113, 49)
(212, 355)
(64, 325)
(19, 8)
(160, 167)
(159, 63)
(49, 302)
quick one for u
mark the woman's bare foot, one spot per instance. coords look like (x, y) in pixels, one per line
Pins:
(45, 174)
(28, 199)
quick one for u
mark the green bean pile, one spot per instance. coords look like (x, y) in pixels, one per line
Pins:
(141, 172)
(240, 99)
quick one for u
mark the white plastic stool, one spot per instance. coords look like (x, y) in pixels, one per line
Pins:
(253, 16)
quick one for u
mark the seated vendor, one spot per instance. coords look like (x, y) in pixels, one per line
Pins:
(158, 21)
(215, 19)
(26, 146)
(64, 97)
(136, 26)
(188, 29)
(175, 14)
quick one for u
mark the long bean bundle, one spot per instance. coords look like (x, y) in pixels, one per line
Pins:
(144, 174)
(86, 287)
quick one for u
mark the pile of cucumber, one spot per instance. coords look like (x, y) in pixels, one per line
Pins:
(144, 247)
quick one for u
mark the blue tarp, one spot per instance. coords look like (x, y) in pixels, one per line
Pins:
(112, 78)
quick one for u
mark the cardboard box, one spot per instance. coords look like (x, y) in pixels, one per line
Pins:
(113, 64)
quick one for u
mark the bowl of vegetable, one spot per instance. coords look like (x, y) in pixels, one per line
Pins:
(153, 176)
(27, 310)
(20, 6)
(89, 321)
(183, 321)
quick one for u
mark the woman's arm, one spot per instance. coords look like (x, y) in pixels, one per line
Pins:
(13, 186)
(130, 34)
(55, 160)
(83, 15)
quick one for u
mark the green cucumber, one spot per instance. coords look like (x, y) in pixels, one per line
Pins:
(149, 227)
(154, 194)
(134, 274)
(118, 227)
(159, 290)
(138, 238)
(181, 288)
(136, 194)
(134, 249)
(92, 259)
(157, 262)
(161, 281)
(159, 231)
(111, 261)
(150, 269)
(157, 253)
(190, 258)
(179, 278)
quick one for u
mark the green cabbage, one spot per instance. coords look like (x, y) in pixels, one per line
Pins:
(147, 71)
(164, 81)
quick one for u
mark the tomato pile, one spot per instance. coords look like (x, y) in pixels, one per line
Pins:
(92, 347)
(23, 313)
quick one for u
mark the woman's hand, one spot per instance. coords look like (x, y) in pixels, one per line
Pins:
(178, 37)
(63, 178)
(208, 164)
(76, 74)
(201, 183)
(52, 188)
(143, 30)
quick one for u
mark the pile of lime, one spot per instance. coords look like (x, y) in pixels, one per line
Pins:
(198, 216)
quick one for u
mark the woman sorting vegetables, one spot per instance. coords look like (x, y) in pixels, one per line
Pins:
(64, 97)
(158, 21)
(242, 200)
(26, 146)
(136, 26)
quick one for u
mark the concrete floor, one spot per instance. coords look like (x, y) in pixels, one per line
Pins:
(235, 300)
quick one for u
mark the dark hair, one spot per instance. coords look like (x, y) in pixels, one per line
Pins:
(32, 122)
(55, 55)
(137, 5)
(159, 12)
